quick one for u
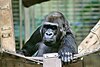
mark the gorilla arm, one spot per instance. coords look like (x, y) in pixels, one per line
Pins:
(31, 46)
(68, 48)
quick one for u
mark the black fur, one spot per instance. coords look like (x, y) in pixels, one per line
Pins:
(64, 44)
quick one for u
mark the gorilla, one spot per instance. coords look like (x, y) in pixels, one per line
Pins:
(54, 35)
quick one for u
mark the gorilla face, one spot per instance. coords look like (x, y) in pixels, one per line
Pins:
(53, 29)
(50, 33)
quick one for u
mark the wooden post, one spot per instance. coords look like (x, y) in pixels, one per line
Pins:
(51, 60)
(27, 24)
(6, 26)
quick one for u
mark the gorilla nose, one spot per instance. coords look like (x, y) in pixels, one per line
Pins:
(49, 34)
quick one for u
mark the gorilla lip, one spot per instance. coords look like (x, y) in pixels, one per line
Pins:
(48, 40)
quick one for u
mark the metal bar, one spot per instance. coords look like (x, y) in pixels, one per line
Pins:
(20, 14)
(27, 24)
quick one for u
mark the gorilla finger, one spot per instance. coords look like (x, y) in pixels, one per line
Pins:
(67, 54)
(71, 57)
(62, 58)
(63, 53)
(65, 59)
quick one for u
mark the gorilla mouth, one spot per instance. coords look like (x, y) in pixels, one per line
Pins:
(49, 41)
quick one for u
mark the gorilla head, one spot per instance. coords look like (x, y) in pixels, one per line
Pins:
(54, 28)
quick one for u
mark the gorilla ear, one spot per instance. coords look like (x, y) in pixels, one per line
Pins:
(41, 30)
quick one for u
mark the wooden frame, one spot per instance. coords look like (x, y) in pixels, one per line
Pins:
(9, 58)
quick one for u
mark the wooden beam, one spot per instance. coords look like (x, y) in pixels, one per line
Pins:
(6, 26)
(51, 60)
(92, 42)
(28, 3)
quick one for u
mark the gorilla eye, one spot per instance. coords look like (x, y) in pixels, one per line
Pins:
(46, 26)
(54, 27)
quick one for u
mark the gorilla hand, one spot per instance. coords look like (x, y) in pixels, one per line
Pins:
(66, 56)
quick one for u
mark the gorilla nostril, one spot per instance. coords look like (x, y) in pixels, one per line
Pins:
(49, 34)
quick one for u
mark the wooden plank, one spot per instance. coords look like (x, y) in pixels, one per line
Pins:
(92, 42)
(76, 64)
(28, 3)
(51, 60)
(92, 60)
(6, 26)
(14, 60)
(39, 61)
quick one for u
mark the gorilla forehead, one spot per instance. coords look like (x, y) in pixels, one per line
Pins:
(50, 23)
(56, 14)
